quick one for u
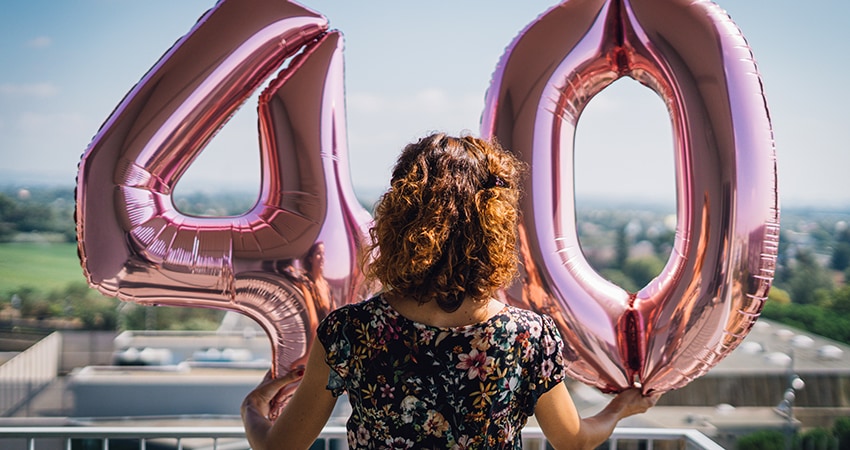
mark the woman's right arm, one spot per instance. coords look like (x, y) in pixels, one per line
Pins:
(565, 429)
(303, 417)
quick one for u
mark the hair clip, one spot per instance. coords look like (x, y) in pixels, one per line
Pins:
(494, 181)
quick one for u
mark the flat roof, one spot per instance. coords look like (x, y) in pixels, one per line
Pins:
(774, 347)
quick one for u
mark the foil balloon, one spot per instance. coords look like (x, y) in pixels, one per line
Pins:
(713, 286)
(135, 245)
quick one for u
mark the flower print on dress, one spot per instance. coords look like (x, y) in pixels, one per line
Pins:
(546, 369)
(435, 424)
(461, 444)
(534, 330)
(482, 339)
(409, 406)
(413, 385)
(427, 335)
(362, 436)
(387, 391)
(477, 364)
(398, 443)
(549, 345)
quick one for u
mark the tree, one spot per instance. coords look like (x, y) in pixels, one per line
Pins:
(29, 301)
(813, 318)
(841, 431)
(620, 279)
(841, 253)
(840, 256)
(816, 439)
(53, 214)
(138, 317)
(761, 440)
(777, 295)
(622, 248)
(807, 277)
(643, 270)
(841, 301)
(843, 235)
(8, 211)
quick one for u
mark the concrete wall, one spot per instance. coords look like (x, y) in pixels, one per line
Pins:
(122, 393)
(86, 348)
(28, 372)
(823, 390)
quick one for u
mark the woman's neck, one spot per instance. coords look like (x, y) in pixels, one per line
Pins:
(429, 313)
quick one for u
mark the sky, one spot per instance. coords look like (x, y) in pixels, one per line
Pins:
(412, 68)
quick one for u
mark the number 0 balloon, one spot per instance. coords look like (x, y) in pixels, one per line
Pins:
(717, 278)
(133, 242)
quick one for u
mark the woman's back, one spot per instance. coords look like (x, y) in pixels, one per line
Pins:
(443, 242)
(413, 385)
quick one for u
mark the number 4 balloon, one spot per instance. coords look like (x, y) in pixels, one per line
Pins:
(134, 243)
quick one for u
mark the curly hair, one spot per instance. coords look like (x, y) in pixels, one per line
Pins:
(446, 229)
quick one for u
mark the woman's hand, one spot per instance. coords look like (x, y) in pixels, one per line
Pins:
(633, 401)
(307, 407)
(267, 398)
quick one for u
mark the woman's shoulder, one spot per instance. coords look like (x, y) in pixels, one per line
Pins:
(342, 320)
(362, 308)
(529, 320)
(518, 313)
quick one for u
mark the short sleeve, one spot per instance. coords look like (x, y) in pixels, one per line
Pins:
(331, 334)
(548, 366)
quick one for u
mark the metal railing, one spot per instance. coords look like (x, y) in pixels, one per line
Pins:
(331, 438)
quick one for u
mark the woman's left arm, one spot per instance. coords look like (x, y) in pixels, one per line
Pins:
(302, 418)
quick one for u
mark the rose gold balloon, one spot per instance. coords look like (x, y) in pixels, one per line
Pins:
(717, 278)
(135, 245)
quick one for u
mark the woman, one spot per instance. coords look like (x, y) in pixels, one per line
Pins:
(435, 361)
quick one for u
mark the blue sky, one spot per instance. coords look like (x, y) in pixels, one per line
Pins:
(414, 67)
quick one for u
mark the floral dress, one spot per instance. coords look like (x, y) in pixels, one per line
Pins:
(412, 385)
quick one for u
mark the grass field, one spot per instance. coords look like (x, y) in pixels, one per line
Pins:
(41, 266)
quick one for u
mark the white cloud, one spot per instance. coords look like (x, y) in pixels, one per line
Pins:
(433, 100)
(45, 89)
(54, 123)
(361, 102)
(425, 102)
(40, 42)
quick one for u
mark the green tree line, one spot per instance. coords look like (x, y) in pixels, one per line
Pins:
(835, 438)
(43, 211)
(78, 306)
(809, 290)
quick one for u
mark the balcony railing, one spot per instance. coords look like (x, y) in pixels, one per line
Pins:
(332, 437)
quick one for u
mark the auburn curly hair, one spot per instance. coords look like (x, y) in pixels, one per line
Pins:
(446, 229)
